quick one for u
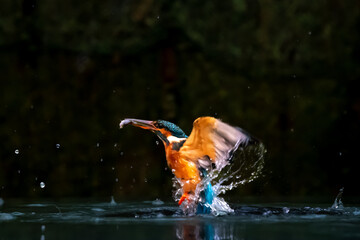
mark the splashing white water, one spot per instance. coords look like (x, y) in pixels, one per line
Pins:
(338, 203)
(246, 165)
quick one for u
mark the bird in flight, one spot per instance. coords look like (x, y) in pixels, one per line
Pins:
(210, 145)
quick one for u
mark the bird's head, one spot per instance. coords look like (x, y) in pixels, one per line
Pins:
(165, 130)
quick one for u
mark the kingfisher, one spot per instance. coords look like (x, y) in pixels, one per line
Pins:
(210, 145)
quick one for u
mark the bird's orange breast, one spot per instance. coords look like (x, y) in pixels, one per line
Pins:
(184, 170)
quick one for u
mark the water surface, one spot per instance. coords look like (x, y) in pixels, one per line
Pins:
(158, 220)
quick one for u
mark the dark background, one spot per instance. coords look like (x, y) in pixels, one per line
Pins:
(286, 71)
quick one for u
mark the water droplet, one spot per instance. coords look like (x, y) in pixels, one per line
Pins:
(116, 180)
(173, 170)
(340, 153)
(166, 168)
(113, 168)
(309, 33)
(248, 87)
(115, 145)
(57, 145)
(101, 160)
(17, 151)
(157, 142)
(291, 130)
(42, 237)
(145, 180)
(131, 166)
(42, 184)
(43, 228)
(97, 144)
(122, 153)
(158, 17)
(19, 171)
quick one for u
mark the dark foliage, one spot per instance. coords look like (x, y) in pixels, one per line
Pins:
(286, 71)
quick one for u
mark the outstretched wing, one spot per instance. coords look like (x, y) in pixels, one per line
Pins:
(213, 142)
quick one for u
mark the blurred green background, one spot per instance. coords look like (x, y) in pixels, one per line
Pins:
(286, 71)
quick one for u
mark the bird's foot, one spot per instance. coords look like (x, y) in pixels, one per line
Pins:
(183, 197)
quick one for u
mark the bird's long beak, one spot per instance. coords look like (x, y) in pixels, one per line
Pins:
(145, 124)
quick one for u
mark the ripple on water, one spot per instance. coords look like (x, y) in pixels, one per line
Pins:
(98, 210)
(36, 205)
(314, 216)
(18, 214)
(6, 217)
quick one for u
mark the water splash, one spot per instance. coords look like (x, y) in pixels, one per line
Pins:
(245, 166)
(112, 201)
(157, 202)
(338, 203)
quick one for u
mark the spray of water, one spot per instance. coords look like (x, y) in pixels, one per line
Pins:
(338, 203)
(245, 166)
